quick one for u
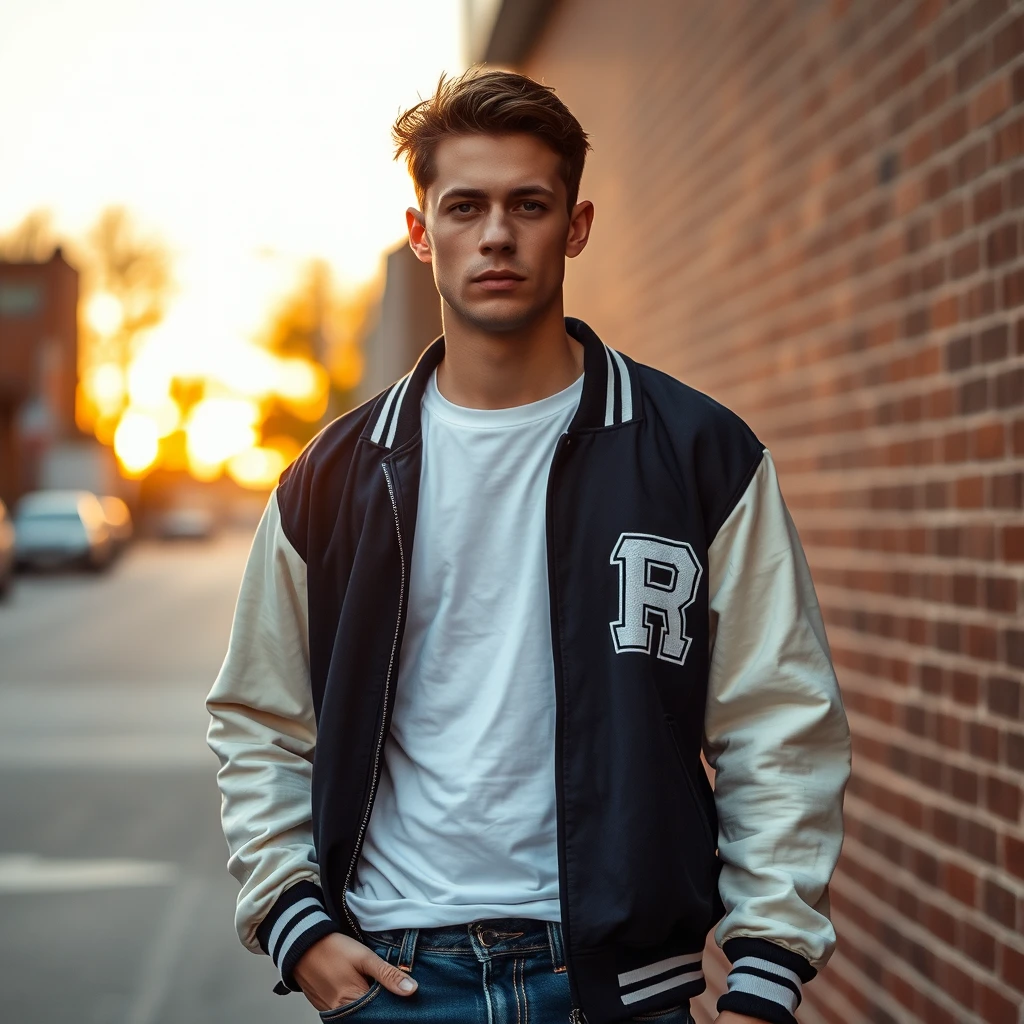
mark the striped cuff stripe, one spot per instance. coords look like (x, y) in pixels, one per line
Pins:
(774, 978)
(754, 985)
(661, 967)
(661, 986)
(301, 928)
(282, 922)
(758, 964)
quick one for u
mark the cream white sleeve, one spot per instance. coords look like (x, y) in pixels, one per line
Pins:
(776, 734)
(263, 731)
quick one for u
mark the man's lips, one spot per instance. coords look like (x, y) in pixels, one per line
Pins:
(498, 280)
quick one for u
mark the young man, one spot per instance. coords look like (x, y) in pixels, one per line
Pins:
(489, 621)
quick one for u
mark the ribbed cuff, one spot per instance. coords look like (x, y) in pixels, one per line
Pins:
(296, 921)
(765, 981)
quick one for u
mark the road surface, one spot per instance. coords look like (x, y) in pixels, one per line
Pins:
(115, 903)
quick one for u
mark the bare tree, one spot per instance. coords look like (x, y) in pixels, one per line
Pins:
(134, 269)
(31, 241)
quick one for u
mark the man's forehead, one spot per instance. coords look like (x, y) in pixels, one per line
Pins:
(494, 163)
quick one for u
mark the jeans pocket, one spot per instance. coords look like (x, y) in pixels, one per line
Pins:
(357, 1004)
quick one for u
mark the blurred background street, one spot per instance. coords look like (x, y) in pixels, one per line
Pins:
(811, 211)
(114, 901)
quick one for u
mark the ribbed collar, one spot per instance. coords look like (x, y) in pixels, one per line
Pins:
(610, 393)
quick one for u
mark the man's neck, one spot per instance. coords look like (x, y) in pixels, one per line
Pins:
(498, 371)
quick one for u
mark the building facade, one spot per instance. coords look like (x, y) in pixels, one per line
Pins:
(814, 212)
(408, 319)
(38, 366)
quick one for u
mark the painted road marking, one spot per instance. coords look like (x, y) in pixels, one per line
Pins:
(25, 872)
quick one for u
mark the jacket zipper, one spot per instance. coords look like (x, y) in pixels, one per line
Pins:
(384, 715)
(576, 1014)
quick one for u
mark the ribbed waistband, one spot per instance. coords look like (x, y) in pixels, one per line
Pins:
(484, 940)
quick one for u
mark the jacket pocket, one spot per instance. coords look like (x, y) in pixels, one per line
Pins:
(698, 804)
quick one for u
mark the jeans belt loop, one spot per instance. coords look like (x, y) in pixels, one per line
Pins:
(407, 951)
(555, 943)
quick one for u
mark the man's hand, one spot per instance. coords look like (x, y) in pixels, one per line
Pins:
(728, 1017)
(338, 970)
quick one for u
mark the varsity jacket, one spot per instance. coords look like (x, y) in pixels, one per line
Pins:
(683, 619)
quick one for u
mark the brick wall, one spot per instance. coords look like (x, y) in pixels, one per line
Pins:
(815, 213)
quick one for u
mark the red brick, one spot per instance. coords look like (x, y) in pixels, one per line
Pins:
(1001, 594)
(1013, 856)
(1013, 639)
(960, 883)
(988, 201)
(999, 903)
(992, 101)
(1013, 543)
(1011, 966)
(970, 492)
(1008, 42)
(1009, 140)
(1003, 798)
(983, 741)
(983, 13)
(982, 642)
(1003, 696)
(1009, 389)
(996, 1008)
(1007, 491)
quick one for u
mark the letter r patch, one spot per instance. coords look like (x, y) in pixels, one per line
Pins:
(657, 582)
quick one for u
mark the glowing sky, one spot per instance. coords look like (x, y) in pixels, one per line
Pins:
(248, 135)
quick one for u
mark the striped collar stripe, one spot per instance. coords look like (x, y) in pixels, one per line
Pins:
(397, 389)
(617, 384)
(625, 385)
(609, 404)
(398, 409)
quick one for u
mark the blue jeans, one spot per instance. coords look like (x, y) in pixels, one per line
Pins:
(505, 971)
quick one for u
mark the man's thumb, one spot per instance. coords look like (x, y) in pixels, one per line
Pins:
(390, 977)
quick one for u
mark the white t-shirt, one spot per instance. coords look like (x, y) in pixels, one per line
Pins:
(463, 826)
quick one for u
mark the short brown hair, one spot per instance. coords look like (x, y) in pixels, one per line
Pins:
(491, 103)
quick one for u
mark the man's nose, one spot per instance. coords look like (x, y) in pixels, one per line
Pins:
(497, 234)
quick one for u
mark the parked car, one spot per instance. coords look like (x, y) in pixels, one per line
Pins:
(119, 519)
(6, 550)
(62, 528)
(186, 522)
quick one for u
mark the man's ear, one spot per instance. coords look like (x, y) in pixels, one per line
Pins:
(580, 220)
(418, 240)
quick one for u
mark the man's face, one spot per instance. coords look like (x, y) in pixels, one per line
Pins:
(498, 204)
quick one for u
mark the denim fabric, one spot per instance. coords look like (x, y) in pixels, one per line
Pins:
(505, 971)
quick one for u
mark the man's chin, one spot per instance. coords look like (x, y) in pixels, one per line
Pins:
(498, 317)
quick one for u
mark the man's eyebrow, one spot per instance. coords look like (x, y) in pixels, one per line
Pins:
(479, 193)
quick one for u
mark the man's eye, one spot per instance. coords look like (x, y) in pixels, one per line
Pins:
(463, 207)
(534, 204)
